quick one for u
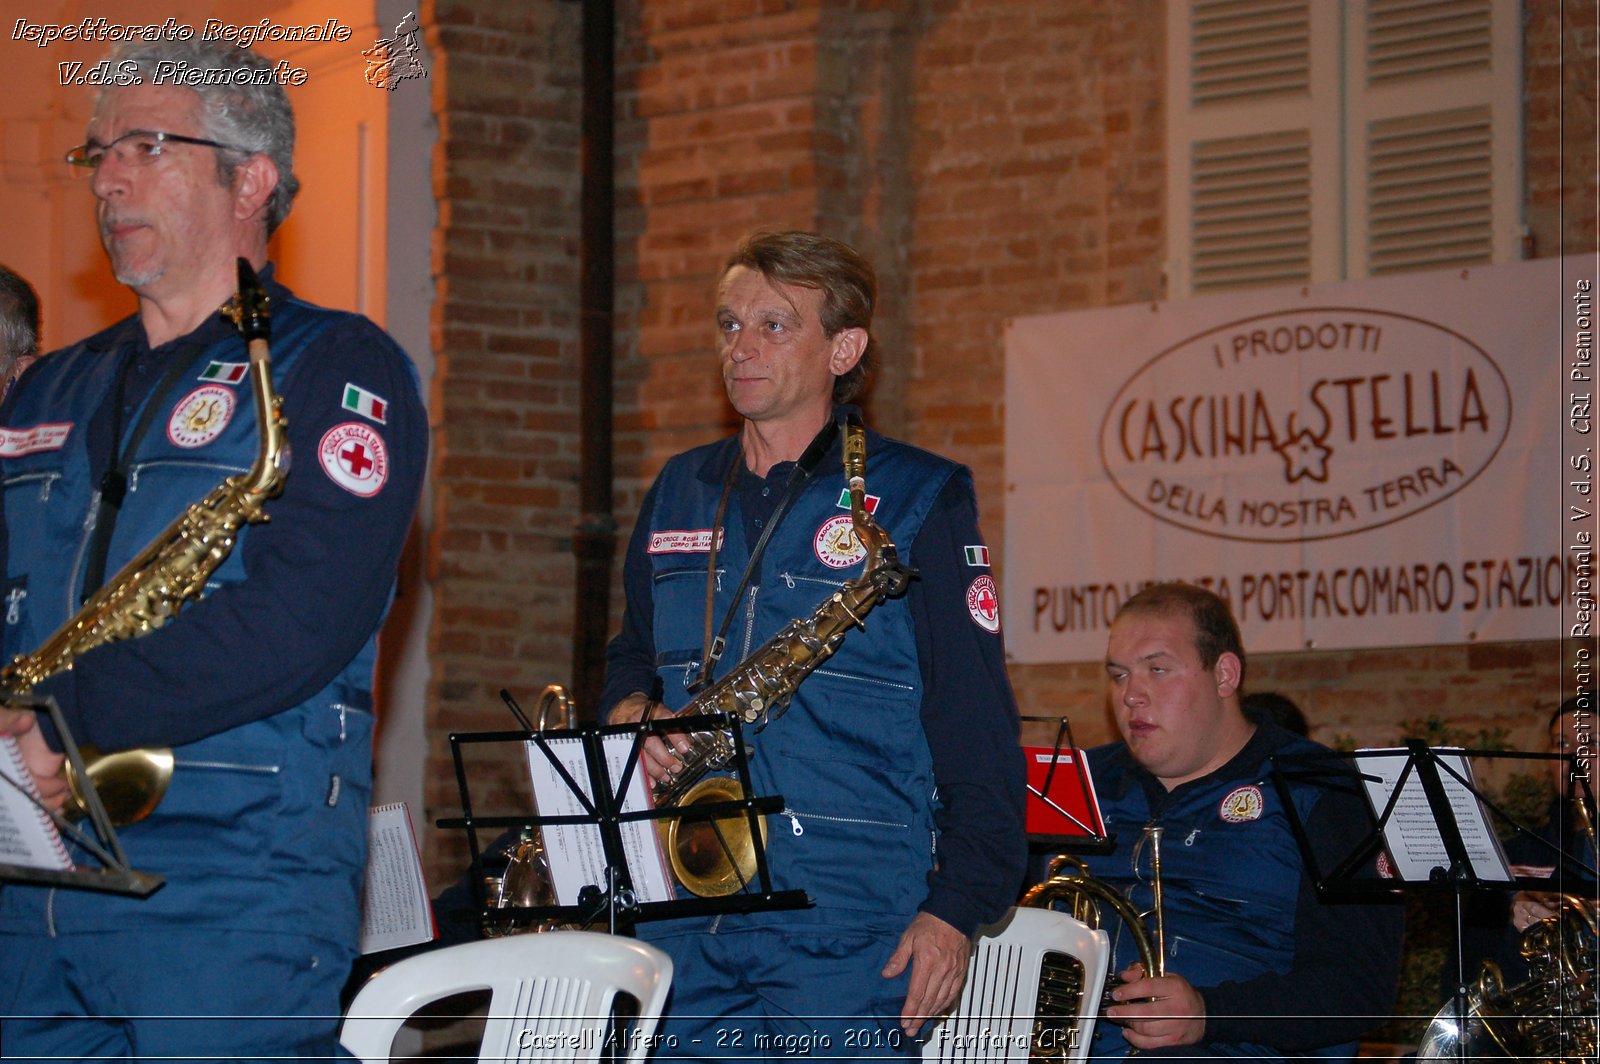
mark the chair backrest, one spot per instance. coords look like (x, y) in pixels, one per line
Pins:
(1034, 967)
(551, 995)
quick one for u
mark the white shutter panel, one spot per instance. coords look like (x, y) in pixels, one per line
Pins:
(1252, 153)
(1434, 138)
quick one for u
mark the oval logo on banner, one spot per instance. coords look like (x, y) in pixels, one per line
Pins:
(1305, 424)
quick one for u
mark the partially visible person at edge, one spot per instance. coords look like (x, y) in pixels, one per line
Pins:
(898, 761)
(1256, 965)
(19, 328)
(1565, 828)
(1280, 709)
(264, 687)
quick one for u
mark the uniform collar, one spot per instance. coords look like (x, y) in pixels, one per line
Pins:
(129, 332)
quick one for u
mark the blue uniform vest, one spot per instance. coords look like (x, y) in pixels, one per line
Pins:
(849, 756)
(1230, 867)
(233, 823)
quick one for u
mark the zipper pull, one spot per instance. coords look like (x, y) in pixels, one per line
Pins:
(794, 824)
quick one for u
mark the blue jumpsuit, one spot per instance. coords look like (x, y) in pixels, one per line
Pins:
(1280, 971)
(263, 688)
(869, 828)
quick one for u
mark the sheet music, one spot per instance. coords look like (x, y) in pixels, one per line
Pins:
(395, 910)
(576, 855)
(1412, 836)
(28, 837)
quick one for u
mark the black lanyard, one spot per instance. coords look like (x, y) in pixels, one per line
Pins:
(798, 477)
(114, 485)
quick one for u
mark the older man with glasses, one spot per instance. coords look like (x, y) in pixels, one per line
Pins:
(263, 688)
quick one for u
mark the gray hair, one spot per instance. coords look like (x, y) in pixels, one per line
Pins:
(19, 319)
(250, 113)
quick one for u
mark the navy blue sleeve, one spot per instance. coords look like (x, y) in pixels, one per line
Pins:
(1346, 968)
(969, 715)
(631, 654)
(318, 575)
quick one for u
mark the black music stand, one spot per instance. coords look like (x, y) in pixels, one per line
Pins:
(113, 875)
(603, 811)
(1429, 770)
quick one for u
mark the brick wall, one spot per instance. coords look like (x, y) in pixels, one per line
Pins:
(994, 158)
(506, 93)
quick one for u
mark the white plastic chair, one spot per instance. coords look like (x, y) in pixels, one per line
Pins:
(994, 1019)
(551, 995)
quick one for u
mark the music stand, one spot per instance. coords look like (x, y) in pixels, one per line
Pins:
(1062, 797)
(113, 876)
(1440, 780)
(602, 803)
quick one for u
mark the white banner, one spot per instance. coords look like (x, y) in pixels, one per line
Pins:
(1371, 463)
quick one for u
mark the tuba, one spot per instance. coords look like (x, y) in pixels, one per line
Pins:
(714, 855)
(151, 588)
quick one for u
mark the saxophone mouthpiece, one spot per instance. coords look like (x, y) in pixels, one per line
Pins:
(250, 316)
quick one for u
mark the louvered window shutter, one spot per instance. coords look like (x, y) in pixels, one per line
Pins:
(1434, 134)
(1313, 140)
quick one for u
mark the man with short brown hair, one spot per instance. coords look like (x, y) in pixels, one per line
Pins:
(898, 759)
(1257, 965)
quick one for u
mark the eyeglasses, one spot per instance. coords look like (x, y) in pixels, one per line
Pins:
(141, 147)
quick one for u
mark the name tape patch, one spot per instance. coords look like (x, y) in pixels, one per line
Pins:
(681, 541)
(14, 443)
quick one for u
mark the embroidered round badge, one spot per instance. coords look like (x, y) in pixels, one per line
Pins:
(201, 415)
(1241, 805)
(355, 458)
(836, 544)
(983, 602)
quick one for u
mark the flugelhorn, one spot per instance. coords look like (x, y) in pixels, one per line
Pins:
(160, 580)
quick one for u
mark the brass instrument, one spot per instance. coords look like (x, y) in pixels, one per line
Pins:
(1549, 1017)
(1061, 966)
(151, 588)
(526, 881)
(715, 856)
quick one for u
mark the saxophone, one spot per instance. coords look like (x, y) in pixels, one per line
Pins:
(151, 589)
(714, 856)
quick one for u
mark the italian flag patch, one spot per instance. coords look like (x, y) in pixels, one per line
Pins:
(978, 555)
(363, 402)
(871, 501)
(226, 372)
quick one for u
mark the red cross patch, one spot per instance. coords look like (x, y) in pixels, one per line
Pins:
(983, 602)
(355, 458)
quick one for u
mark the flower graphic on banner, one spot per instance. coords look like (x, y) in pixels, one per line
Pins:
(1305, 455)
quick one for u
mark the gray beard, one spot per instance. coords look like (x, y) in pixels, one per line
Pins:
(135, 280)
